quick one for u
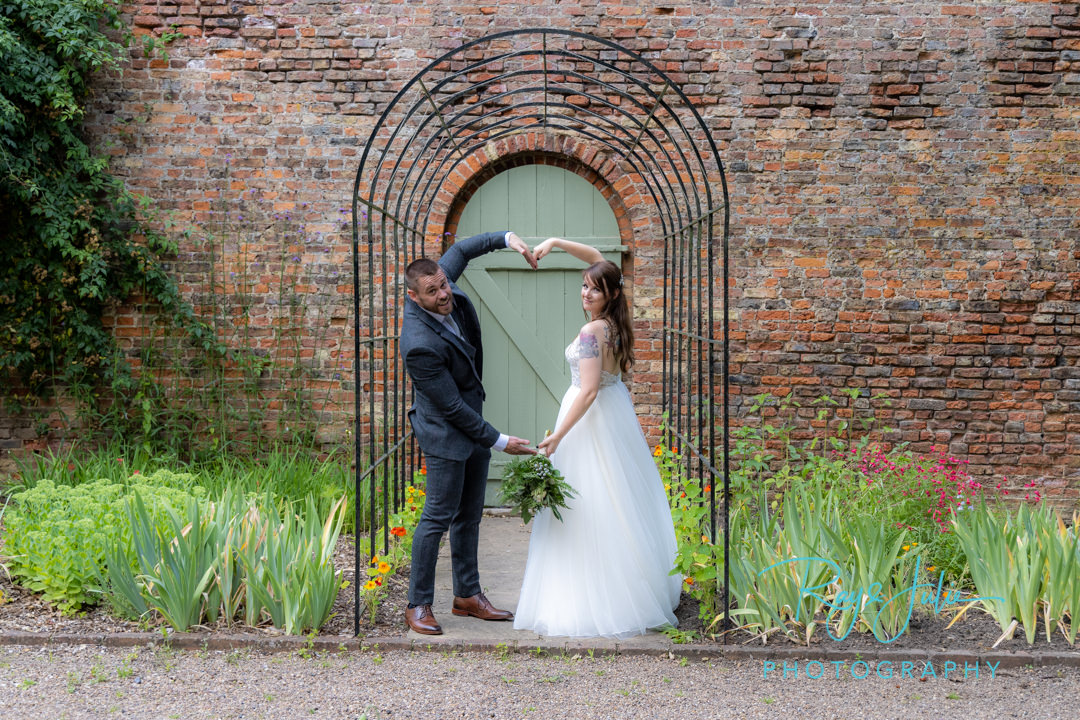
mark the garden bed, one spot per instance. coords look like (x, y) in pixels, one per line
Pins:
(858, 527)
(23, 611)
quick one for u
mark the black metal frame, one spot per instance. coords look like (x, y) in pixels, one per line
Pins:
(549, 81)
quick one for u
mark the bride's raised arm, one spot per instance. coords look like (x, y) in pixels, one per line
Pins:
(586, 253)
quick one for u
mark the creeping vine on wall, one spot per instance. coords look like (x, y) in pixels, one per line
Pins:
(73, 239)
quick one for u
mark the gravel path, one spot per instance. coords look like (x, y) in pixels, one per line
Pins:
(92, 682)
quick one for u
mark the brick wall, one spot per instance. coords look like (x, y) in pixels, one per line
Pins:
(903, 178)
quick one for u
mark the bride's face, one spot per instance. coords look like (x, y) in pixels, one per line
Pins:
(593, 298)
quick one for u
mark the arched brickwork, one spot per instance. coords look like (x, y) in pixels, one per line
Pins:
(571, 154)
(532, 149)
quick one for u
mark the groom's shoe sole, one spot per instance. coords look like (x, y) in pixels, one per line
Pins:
(478, 606)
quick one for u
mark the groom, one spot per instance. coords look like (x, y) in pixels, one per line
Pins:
(440, 343)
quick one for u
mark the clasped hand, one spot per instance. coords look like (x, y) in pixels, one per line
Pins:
(531, 256)
(549, 444)
(518, 446)
(517, 244)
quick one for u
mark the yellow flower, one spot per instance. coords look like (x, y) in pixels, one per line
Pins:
(906, 548)
(658, 451)
(705, 539)
(932, 568)
(370, 585)
(667, 486)
(384, 567)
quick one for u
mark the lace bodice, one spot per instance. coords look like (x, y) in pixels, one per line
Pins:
(573, 356)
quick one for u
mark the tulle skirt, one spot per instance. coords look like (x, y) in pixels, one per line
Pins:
(603, 570)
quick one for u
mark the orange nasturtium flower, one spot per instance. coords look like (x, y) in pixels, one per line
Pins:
(370, 585)
(688, 581)
(384, 567)
(658, 451)
(397, 531)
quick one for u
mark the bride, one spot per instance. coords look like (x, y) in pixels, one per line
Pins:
(603, 570)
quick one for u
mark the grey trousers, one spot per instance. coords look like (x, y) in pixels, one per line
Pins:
(455, 502)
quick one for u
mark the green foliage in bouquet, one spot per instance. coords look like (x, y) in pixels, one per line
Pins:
(532, 483)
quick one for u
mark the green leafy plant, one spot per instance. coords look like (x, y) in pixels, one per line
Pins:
(3, 566)
(77, 243)
(679, 637)
(876, 565)
(289, 566)
(288, 474)
(1024, 563)
(531, 484)
(1062, 598)
(767, 575)
(698, 559)
(59, 537)
(76, 240)
(229, 558)
(177, 562)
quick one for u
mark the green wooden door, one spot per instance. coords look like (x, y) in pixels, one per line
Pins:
(529, 317)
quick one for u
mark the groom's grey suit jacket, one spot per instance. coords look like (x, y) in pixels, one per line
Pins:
(446, 370)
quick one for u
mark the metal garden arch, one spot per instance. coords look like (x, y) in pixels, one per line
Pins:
(556, 91)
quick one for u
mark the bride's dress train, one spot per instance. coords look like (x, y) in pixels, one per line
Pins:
(603, 570)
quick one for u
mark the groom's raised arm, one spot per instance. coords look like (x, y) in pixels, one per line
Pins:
(454, 261)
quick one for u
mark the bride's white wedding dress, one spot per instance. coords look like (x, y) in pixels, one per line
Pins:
(603, 570)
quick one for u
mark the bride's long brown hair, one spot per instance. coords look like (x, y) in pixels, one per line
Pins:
(607, 276)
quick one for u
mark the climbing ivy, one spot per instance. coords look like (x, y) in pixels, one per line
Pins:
(73, 240)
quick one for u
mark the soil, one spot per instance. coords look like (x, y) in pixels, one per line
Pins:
(21, 610)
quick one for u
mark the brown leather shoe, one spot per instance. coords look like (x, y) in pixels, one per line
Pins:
(480, 607)
(420, 619)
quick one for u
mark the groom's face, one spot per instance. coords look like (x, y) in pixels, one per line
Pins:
(433, 293)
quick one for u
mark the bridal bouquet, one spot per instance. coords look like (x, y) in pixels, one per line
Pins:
(532, 483)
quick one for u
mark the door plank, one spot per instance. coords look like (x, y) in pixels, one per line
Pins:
(528, 316)
(519, 333)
